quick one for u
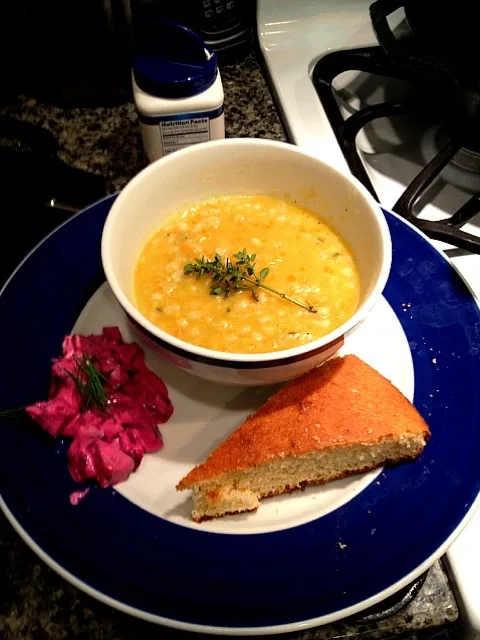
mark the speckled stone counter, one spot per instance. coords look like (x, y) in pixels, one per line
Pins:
(107, 140)
(37, 604)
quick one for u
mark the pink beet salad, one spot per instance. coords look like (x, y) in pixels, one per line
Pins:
(104, 397)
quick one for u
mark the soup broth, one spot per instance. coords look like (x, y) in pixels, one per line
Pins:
(306, 258)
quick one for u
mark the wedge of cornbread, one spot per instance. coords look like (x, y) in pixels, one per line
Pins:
(334, 421)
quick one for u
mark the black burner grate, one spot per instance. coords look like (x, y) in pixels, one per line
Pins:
(393, 604)
(374, 60)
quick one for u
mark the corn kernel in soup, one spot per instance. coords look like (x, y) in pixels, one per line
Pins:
(307, 260)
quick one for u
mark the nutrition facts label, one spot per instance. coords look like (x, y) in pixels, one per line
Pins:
(177, 134)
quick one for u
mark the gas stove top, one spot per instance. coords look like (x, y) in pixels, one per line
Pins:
(444, 151)
(400, 134)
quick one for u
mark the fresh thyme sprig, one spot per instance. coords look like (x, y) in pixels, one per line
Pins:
(232, 275)
(90, 383)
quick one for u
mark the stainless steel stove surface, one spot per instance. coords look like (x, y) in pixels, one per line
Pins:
(299, 41)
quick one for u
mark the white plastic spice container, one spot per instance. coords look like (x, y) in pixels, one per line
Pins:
(177, 90)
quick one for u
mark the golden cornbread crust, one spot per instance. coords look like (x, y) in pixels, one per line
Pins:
(344, 402)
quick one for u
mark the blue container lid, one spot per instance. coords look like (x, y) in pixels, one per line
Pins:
(172, 61)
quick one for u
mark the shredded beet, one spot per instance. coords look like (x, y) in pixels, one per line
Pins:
(78, 496)
(109, 442)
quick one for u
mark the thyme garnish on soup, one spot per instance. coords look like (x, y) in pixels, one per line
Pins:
(231, 275)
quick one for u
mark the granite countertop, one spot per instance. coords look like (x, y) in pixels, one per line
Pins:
(106, 140)
(35, 602)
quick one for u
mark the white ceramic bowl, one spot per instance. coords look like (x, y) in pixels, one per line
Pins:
(232, 167)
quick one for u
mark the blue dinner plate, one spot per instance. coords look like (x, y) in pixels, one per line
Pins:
(262, 582)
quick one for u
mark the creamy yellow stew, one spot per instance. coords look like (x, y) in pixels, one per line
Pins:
(307, 260)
